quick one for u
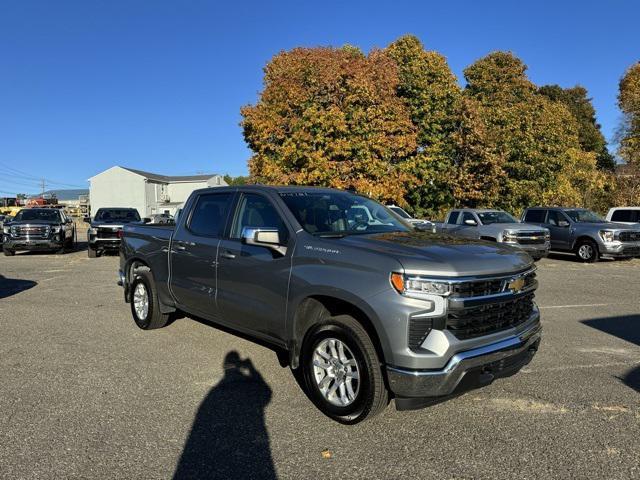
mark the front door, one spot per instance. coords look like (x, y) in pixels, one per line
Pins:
(560, 228)
(253, 280)
(194, 251)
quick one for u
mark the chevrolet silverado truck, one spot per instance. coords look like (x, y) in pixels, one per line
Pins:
(363, 310)
(497, 226)
(106, 228)
(585, 233)
(38, 229)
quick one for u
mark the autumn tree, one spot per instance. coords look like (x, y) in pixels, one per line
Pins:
(591, 139)
(536, 139)
(629, 103)
(432, 95)
(331, 117)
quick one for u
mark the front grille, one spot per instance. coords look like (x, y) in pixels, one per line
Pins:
(30, 231)
(630, 236)
(108, 232)
(531, 238)
(485, 319)
(492, 286)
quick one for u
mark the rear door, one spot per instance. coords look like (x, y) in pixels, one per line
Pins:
(194, 251)
(253, 280)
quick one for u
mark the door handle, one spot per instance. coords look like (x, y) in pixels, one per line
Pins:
(228, 255)
(180, 247)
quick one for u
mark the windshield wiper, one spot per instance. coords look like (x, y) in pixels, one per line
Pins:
(330, 235)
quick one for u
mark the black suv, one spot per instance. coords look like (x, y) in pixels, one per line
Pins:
(106, 229)
(38, 229)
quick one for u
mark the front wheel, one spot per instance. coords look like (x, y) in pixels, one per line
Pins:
(145, 306)
(8, 252)
(342, 371)
(587, 251)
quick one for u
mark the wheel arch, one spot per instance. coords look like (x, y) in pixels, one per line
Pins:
(312, 310)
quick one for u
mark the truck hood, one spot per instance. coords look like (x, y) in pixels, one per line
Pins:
(33, 222)
(610, 226)
(515, 226)
(443, 255)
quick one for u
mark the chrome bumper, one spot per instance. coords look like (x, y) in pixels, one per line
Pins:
(476, 367)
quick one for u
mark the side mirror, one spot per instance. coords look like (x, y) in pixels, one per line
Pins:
(563, 223)
(146, 220)
(86, 219)
(263, 237)
(470, 222)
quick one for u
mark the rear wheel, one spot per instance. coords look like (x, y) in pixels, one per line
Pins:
(92, 253)
(587, 251)
(8, 252)
(145, 306)
(342, 371)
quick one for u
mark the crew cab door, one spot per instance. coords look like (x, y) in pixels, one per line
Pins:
(253, 280)
(561, 231)
(194, 251)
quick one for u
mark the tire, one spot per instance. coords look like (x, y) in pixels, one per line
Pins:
(587, 251)
(91, 253)
(8, 253)
(354, 399)
(144, 286)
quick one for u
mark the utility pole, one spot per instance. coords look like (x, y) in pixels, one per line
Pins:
(43, 185)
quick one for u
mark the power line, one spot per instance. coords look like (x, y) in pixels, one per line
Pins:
(19, 173)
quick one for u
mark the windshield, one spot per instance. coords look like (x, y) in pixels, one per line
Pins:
(340, 213)
(118, 215)
(400, 212)
(37, 214)
(487, 218)
(584, 216)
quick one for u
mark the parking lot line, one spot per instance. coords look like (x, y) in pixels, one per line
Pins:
(580, 306)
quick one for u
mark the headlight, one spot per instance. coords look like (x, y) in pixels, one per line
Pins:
(6, 230)
(56, 229)
(509, 236)
(432, 292)
(606, 235)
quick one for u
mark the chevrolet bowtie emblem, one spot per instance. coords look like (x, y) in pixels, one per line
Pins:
(516, 285)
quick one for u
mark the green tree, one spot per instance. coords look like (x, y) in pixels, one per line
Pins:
(431, 92)
(331, 117)
(240, 180)
(589, 134)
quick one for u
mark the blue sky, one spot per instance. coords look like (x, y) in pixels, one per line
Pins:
(158, 85)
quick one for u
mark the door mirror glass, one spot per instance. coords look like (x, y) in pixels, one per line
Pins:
(470, 222)
(263, 237)
(563, 223)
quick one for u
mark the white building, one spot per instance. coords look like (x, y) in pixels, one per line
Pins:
(149, 193)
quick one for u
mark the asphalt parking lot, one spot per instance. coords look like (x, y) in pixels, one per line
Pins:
(85, 394)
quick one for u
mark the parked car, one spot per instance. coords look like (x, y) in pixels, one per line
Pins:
(585, 233)
(106, 228)
(497, 226)
(38, 229)
(626, 215)
(2, 220)
(402, 213)
(363, 308)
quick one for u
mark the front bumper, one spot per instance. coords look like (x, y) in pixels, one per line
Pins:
(468, 369)
(104, 243)
(28, 244)
(620, 249)
(537, 251)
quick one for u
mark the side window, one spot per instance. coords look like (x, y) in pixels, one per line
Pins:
(622, 216)
(209, 214)
(554, 218)
(534, 216)
(468, 216)
(257, 211)
(453, 218)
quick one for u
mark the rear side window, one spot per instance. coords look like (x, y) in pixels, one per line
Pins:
(209, 214)
(453, 218)
(534, 216)
(626, 216)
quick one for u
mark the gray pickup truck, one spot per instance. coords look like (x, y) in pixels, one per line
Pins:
(362, 307)
(585, 233)
(497, 226)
